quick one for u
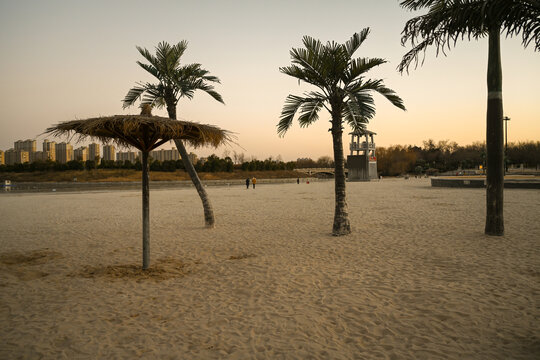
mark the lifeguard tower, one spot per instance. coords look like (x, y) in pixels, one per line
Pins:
(363, 165)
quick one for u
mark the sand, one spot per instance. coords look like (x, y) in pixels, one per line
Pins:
(417, 279)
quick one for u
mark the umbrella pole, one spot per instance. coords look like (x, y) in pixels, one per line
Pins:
(146, 210)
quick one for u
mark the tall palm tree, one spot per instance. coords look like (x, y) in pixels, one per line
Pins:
(175, 81)
(446, 22)
(343, 90)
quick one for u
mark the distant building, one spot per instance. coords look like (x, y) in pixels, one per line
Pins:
(193, 158)
(13, 156)
(64, 152)
(2, 158)
(164, 155)
(50, 147)
(93, 152)
(39, 156)
(26, 145)
(130, 156)
(109, 153)
(81, 153)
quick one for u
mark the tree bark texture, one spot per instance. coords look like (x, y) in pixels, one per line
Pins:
(494, 139)
(146, 210)
(342, 225)
(207, 205)
(209, 220)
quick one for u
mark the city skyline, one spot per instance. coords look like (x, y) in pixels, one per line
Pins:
(58, 66)
(63, 152)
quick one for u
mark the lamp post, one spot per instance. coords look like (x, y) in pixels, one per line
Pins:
(506, 119)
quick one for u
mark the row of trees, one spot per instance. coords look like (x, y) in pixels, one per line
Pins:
(448, 156)
(211, 164)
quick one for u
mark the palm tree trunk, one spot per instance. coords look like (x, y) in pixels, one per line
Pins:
(207, 205)
(494, 138)
(146, 210)
(341, 214)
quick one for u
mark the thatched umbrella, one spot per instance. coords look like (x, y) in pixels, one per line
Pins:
(144, 132)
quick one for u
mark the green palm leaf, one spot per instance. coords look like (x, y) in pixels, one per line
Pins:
(148, 56)
(341, 81)
(174, 79)
(150, 68)
(449, 21)
(292, 104)
(356, 40)
(132, 96)
(309, 112)
(355, 115)
(359, 66)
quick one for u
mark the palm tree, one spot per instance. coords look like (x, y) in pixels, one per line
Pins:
(343, 91)
(175, 82)
(446, 22)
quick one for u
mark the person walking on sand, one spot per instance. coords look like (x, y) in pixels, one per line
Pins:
(298, 180)
(247, 183)
(254, 181)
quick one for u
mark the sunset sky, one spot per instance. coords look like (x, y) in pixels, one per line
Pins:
(64, 60)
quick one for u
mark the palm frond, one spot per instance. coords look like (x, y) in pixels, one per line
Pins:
(379, 87)
(360, 106)
(189, 86)
(148, 56)
(209, 89)
(353, 115)
(154, 95)
(150, 68)
(179, 49)
(311, 66)
(309, 112)
(417, 4)
(523, 19)
(291, 106)
(175, 80)
(168, 60)
(391, 96)
(132, 96)
(359, 66)
(211, 78)
(335, 63)
(449, 21)
(356, 40)
(297, 72)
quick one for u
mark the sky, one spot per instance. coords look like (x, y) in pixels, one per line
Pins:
(74, 59)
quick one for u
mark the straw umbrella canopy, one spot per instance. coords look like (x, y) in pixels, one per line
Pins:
(144, 132)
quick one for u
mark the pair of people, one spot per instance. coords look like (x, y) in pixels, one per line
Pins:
(253, 181)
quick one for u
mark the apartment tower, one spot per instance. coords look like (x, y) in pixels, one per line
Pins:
(109, 153)
(93, 152)
(64, 152)
(50, 148)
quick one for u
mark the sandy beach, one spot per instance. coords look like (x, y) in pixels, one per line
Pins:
(417, 279)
